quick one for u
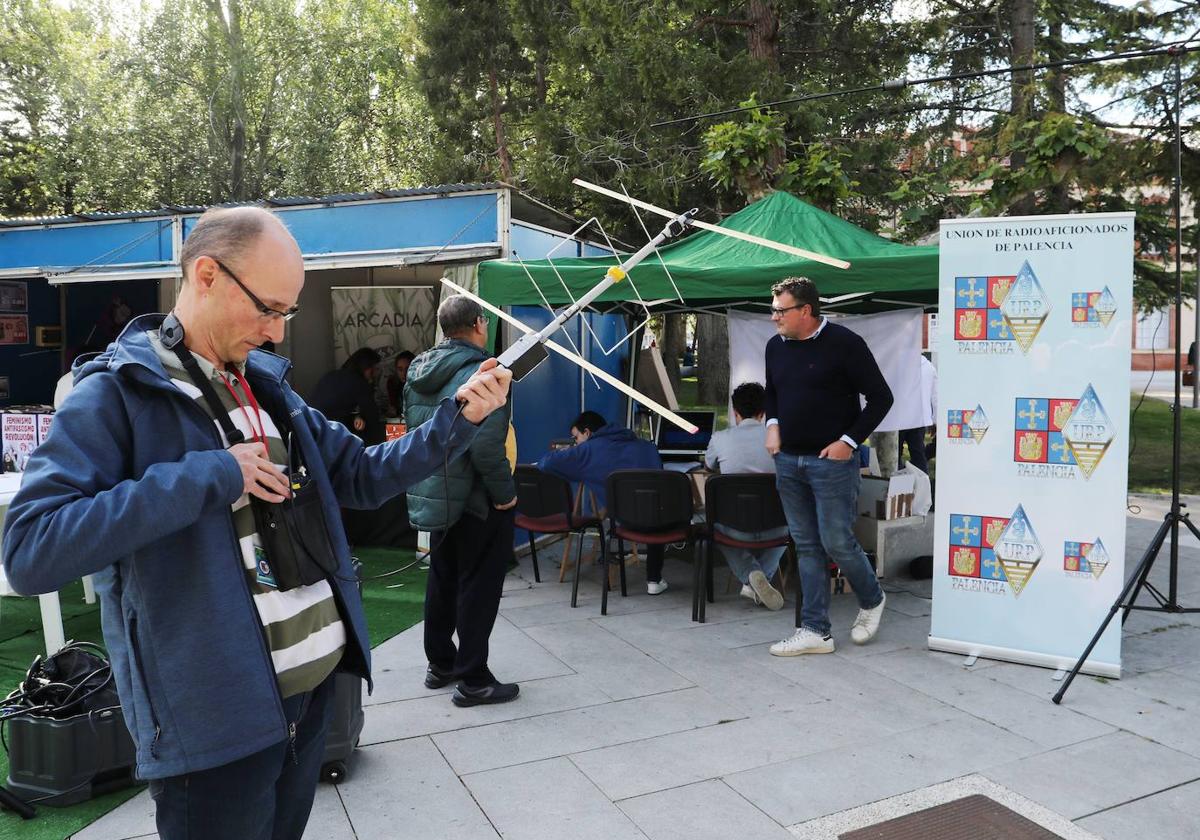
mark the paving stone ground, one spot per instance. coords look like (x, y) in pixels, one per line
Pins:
(642, 724)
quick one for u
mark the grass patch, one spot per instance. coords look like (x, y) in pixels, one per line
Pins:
(1150, 460)
(688, 395)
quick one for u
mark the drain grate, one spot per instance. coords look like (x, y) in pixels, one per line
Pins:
(971, 818)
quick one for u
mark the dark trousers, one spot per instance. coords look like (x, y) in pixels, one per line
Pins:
(915, 438)
(654, 562)
(264, 796)
(466, 574)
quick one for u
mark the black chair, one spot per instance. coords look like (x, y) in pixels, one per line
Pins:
(544, 506)
(652, 507)
(744, 502)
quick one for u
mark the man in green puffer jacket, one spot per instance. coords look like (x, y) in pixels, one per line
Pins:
(468, 509)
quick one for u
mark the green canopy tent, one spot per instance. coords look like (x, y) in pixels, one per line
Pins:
(714, 272)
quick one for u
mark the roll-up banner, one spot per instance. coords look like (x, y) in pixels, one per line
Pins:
(1036, 318)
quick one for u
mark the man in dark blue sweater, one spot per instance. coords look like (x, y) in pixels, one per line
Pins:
(816, 371)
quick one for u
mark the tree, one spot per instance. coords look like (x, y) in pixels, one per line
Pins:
(712, 352)
(66, 140)
(199, 101)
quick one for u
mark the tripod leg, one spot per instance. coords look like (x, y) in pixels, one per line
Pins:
(1144, 575)
(1136, 579)
(1155, 544)
(1187, 520)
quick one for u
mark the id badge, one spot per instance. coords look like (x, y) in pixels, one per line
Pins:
(263, 568)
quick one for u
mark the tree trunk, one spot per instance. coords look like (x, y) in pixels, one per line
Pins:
(674, 338)
(763, 43)
(540, 83)
(506, 164)
(712, 356)
(1021, 41)
(1056, 79)
(231, 28)
(1058, 198)
(763, 39)
(1023, 15)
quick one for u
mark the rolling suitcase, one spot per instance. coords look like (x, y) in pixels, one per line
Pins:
(345, 729)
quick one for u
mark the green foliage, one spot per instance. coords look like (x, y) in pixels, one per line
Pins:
(751, 156)
(106, 104)
(747, 155)
(199, 101)
(819, 175)
(1052, 151)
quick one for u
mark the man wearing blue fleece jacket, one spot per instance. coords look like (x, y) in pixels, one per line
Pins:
(816, 370)
(600, 449)
(223, 666)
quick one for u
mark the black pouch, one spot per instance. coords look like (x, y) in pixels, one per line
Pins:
(293, 533)
(294, 537)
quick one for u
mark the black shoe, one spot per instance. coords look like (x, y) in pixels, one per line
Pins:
(494, 692)
(437, 678)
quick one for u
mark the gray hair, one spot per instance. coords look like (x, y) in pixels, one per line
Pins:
(458, 314)
(224, 233)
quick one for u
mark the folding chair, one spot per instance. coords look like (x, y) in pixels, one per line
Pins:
(743, 502)
(545, 506)
(652, 507)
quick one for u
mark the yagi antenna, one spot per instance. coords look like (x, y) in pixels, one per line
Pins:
(661, 410)
(529, 351)
(735, 234)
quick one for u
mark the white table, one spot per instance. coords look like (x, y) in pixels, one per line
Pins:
(52, 623)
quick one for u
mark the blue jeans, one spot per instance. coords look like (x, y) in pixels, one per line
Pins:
(743, 561)
(820, 498)
(265, 796)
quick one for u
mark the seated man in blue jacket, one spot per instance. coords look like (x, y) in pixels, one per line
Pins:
(165, 458)
(602, 448)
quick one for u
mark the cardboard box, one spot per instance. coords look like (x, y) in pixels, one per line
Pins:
(886, 498)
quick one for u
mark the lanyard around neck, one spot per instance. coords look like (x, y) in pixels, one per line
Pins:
(260, 431)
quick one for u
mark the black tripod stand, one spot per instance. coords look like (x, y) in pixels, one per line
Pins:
(1139, 580)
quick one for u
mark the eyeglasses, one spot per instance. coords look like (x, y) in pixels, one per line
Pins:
(263, 310)
(485, 319)
(780, 311)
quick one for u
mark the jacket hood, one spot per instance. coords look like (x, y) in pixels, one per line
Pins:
(133, 353)
(431, 370)
(615, 433)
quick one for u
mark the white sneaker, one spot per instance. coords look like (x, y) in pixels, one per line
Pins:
(867, 624)
(768, 595)
(656, 587)
(801, 642)
(749, 593)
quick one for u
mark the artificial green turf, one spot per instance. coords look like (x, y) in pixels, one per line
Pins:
(393, 603)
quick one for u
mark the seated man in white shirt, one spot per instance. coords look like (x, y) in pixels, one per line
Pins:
(742, 449)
